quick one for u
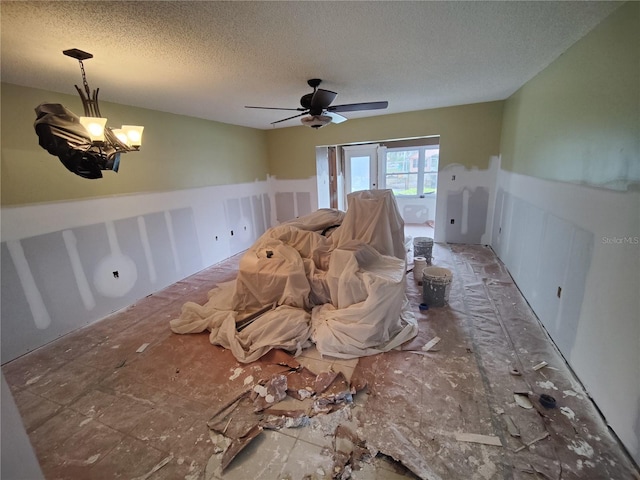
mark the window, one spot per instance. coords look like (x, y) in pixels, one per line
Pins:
(412, 171)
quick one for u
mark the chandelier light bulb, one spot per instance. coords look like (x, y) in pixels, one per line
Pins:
(134, 134)
(121, 135)
(95, 127)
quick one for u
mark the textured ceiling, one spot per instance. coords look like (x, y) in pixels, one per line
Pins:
(208, 59)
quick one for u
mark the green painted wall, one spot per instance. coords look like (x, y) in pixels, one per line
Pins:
(178, 152)
(469, 135)
(579, 119)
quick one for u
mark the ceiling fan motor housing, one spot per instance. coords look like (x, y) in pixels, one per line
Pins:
(317, 105)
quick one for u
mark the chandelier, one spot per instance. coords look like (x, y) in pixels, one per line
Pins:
(85, 145)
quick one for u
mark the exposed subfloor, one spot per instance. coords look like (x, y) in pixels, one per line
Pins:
(95, 408)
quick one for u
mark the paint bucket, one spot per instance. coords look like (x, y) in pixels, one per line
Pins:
(419, 263)
(422, 247)
(436, 283)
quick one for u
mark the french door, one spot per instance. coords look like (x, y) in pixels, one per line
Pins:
(360, 167)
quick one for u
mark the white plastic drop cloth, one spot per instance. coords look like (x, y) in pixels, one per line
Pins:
(343, 290)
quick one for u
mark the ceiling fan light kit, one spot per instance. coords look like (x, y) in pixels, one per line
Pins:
(85, 145)
(316, 121)
(317, 106)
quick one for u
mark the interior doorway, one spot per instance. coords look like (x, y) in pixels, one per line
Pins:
(408, 167)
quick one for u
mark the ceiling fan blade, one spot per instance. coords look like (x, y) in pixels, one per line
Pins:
(322, 99)
(336, 118)
(355, 107)
(289, 118)
(277, 108)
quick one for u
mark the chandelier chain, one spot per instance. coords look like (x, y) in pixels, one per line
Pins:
(84, 79)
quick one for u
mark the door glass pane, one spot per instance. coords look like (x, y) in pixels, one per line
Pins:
(360, 174)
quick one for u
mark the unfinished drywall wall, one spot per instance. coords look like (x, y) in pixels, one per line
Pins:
(292, 198)
(65, 265)
(464, 212)
(178, 152)
(574, 248)
(574, 252)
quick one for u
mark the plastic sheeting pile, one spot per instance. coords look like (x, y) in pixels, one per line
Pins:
(343, 290)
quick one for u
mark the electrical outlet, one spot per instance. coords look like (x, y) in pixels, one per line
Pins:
(559, 291)
(116, 274)
(453, 221)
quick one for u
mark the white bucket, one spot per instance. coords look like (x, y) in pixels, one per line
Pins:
(436, 284)
(422, 247)
(419, 263)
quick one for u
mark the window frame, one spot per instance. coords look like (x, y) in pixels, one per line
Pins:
(421, 172)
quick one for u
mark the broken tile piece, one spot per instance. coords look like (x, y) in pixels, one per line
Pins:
(338, 386)
(238, 445)
(301, 384)
(323, 380)
(236, 420)
(276, 391)
(280, 357)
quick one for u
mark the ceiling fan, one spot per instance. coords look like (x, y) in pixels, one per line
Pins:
(317, 106)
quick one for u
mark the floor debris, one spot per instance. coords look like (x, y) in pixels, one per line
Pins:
(406, 420)
(273, 392)
(430, 344)
(540, 365)
(330, 403)
(236, 420)
(477, 438)
(512, 428)
(238, 445)
(323, 381)
(532, 442)
(523, 400)
(155, 468)
(301, 383)
(348, 453)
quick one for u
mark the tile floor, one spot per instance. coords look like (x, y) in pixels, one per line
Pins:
(94, 408)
